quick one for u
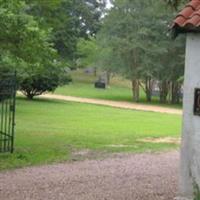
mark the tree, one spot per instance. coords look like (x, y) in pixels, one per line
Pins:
(175, 3)
(25, 47)
(137, 43)
(124, 32)
(87, 51)
(69, 20)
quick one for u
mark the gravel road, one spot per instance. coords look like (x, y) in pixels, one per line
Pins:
(123, 177)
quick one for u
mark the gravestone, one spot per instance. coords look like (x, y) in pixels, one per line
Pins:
(101, 82)
(156, 89)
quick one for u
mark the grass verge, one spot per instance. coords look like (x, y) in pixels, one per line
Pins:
(49, 131)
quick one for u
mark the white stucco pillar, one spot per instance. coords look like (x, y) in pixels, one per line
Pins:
(190, 149)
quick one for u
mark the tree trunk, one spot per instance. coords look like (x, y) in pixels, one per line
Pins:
(135, 90)
(95, 71)
(164, 90)
(148, 89)
(108, 77)
(175, 92)
(29, 95)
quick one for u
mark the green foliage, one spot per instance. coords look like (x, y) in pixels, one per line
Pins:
(135, 42)
(87, 51)
(39, 35)
(175, 3)
(196, 191)
(69, 20)
(42, 79)
(25, 47)
(22, 41)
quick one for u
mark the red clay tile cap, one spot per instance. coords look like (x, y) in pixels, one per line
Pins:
(188, 20)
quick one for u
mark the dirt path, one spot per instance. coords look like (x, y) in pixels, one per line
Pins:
(124, 177)
(118, 104)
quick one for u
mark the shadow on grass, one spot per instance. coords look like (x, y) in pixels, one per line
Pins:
(42, 100)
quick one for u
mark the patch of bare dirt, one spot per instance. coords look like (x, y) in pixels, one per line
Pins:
(169, 140)
(119, 145)
(125, 177)
(87, 154)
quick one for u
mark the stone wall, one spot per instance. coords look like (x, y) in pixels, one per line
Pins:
(190, 150)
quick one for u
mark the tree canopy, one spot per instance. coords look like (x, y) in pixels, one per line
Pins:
(175, 3)
(69, 20)
(26, 47)
(137, 42)
(132, 39)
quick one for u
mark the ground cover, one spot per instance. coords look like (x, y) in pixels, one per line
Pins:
(119, 89)
(49, 131)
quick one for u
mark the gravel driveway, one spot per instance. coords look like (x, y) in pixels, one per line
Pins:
(124, 177)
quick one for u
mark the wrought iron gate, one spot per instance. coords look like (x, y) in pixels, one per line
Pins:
(7, 111)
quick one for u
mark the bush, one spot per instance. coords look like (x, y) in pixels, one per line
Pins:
(45, 80)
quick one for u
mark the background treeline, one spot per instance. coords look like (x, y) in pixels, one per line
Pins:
(42, 40)
(136, 41)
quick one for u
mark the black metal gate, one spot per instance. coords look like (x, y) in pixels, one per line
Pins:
(7, 111)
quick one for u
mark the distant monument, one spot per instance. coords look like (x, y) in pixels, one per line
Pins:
(188, 21)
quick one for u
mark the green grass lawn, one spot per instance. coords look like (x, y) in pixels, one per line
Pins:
(119, 90)
(83, 86)
(87, 90)
(48, 131)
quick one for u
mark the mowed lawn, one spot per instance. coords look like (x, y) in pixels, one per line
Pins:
(48, 131)
(119, 89)
(88, 90)
(83, 86)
